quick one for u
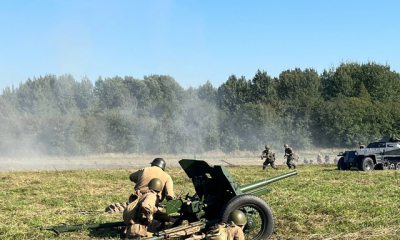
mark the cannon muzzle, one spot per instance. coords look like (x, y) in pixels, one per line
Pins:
(260, 187)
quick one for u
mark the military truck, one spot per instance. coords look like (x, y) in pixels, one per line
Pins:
(383, 154)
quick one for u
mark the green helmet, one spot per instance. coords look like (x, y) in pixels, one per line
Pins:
(267, 146)
(159, 162)
(155, 184)
(238, 217)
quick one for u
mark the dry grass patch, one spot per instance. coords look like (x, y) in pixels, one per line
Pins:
(318, 203)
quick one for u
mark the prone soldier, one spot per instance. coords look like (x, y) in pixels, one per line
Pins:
(233, 230)
(269, 158)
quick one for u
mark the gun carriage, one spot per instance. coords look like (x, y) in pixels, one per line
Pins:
(216, 196)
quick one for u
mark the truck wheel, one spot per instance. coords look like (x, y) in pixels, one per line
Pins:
(392, 166)
(398, 166)
(341, 165)
(260, 220)
(385, 165)
(367, 164)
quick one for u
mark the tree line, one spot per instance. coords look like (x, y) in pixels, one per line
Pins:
(60, 116)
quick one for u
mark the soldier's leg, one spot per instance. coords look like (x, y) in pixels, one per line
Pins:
(292, 162)
(265, 164)
(273, 166)
(288, 162)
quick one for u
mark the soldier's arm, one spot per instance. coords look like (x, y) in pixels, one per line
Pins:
(238, 234)
(169, 189)
(134, 176)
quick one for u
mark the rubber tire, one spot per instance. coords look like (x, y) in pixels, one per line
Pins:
(341, 165)
(385, 165)
(398, 166)
(263, 209)
(367, 164)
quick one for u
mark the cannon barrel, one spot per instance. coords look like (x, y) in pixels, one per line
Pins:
(260, 187)
(69, 228)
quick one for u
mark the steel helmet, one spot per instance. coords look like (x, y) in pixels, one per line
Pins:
(155, 184)
(267, 146)
(159, 162)
(286, 145)
(238, 217)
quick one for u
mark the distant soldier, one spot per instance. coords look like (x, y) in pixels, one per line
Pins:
(305, 161)
(335, 160)
(289, 155)
(327, 158)
(311, 161)
(319, 158)
(361, 145)
(269, 158)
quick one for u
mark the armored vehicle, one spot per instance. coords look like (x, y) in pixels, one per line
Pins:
(383, 154)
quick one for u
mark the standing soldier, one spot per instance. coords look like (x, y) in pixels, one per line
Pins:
(326, 158)
(269, 158)
(319, 158)
(361, 145)
(289, 154)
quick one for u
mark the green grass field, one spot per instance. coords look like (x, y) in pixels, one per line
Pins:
(318, 203)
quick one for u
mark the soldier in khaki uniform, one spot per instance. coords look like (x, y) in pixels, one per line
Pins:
(289, 157)
(143, 176)
(269, 158)
(142, 214)
(231, 231)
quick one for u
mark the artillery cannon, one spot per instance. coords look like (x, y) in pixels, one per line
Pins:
(217, 195)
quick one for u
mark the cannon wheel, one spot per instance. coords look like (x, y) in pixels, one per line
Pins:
(260, 220)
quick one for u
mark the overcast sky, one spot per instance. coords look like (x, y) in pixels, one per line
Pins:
(192, 41)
